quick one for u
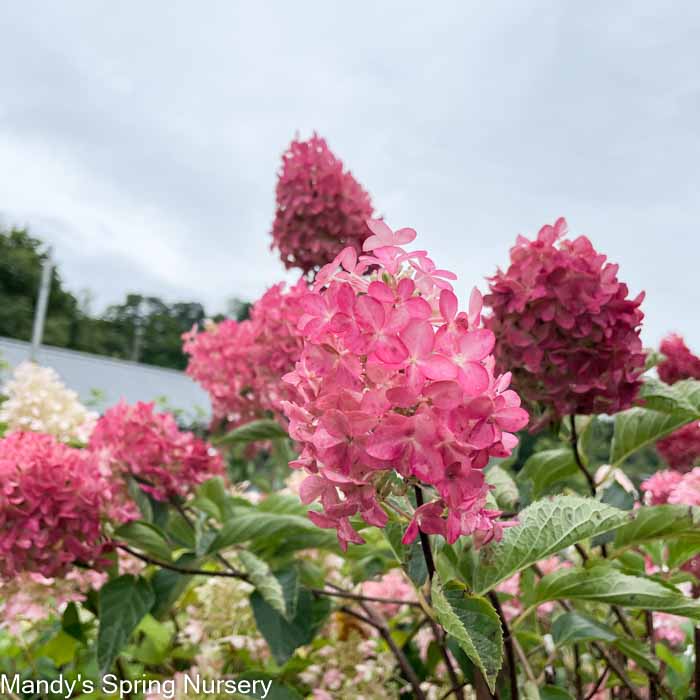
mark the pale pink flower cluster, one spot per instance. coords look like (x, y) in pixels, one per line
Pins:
(393, 377)
(51, 502)
(136, 441)
(37, 400)
(670, 628)
(30, 597)
(392, 585)
(670, 486)
(240, 364)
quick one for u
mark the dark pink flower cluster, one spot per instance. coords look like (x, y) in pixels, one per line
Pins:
(137, 441)
(679, 362)
(565, 326)
(51, 503)
(321, 208)
(394, 378)
(681, 449)
(241, 364)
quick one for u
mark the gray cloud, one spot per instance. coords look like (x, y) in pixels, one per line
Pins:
(143, 139)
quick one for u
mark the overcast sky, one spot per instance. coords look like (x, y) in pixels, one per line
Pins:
(143, 139)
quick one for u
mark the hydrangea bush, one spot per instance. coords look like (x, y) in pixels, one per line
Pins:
(432, 538)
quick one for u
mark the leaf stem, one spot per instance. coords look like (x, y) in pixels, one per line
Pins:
(373, 620)
(577, 456)
(424, 539)
(508, 642)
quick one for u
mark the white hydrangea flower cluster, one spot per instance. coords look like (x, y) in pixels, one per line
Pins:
(38, 401)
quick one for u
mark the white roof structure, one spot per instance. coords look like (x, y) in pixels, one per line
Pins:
(102, 381)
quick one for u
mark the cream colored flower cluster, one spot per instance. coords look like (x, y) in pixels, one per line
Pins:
(38, 401)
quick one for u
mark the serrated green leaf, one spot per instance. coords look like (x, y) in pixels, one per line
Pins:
(284, 635)
(683, 396)
(655, 522)
(666, 409)
(575, 627)
(123, 603)
(261, 525)
(547, 467)
(546, 527)
(145, 537)
(637, 427)
(474, 623)
(504, 489)
(606, 584)
(264, 581)
(265, 429)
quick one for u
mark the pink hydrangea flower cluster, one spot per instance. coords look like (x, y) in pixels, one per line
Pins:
(393, 378)
(565, 326)
(681, 489)
(679, 362)
(392, 585)
(321, 208)
(51, 503)
(241, 365)
(137, 441)
(681, 449)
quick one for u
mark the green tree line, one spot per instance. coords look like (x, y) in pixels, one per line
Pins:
(142, 328)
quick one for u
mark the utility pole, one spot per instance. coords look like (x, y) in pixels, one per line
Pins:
(42, 304)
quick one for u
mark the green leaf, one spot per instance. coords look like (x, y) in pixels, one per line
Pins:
(168, 585)
(70, 622)
(638, 652)
(654, 522)
(504, 490)
(575, 627)
(123, 603)
(683, 396)
(265, 429)
(553, 692)
(260, 525)
(285, 635)
(666, 409)
(145, 537)
(547, 467)
(606, 584)
(473, 622)
(546, 527)
(264, 581)
(637, 427)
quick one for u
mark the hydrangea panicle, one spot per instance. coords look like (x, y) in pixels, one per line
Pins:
(679, 362)
(51, 501)
(565, 326)
(241, 364)
(321, 208)
(680, 449)
(39, 401)
(393, 378)
(136, 441)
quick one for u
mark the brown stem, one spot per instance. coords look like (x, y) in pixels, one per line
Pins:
(383, 630)
(364, 598)
(598, 683)
(577, 673)
(653, 682)
(508, 642)
(577, 457)
(181, 569)
(457, 687)
(697, 661)
(424, 539)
